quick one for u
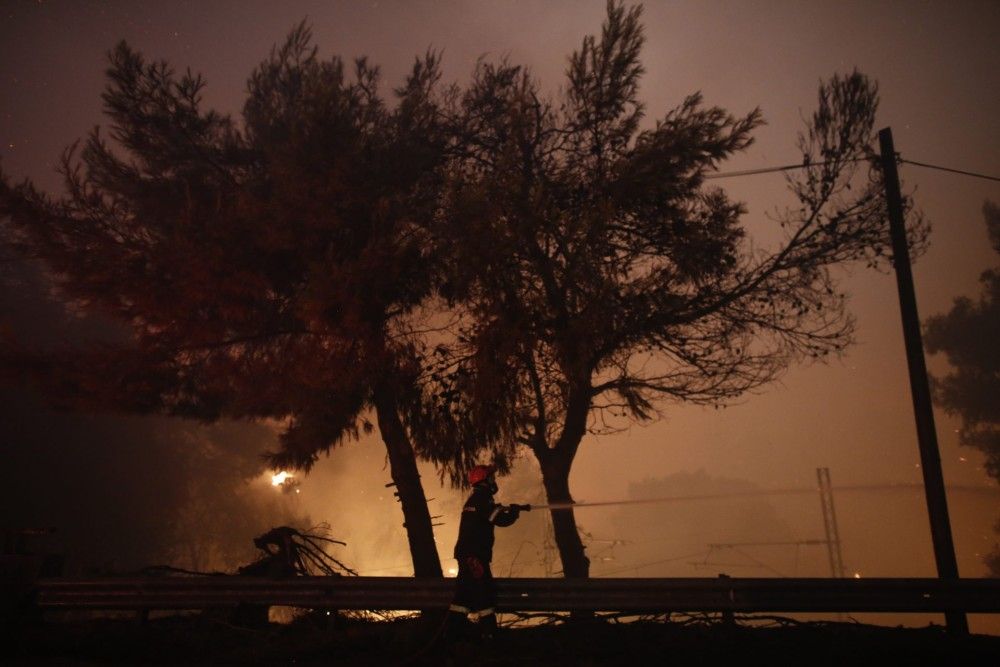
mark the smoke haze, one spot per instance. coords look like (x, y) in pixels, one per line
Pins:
(130, 491)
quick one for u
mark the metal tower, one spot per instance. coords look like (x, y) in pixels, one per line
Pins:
(830, 523)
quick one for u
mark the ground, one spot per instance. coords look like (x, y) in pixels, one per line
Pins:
(209, 639)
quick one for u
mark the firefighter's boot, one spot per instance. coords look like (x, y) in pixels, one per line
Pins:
(488, 626)
(456, 626)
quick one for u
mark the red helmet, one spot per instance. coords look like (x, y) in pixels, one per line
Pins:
(479, 473)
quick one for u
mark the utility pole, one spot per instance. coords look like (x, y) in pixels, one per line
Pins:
(930, 457)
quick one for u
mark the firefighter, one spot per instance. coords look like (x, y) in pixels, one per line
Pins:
(475, 590)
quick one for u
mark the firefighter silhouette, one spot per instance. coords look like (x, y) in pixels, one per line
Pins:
(475, 590)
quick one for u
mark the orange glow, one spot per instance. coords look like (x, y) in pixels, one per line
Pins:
(279, 478)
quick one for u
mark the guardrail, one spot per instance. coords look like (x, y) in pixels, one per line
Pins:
(623, 595)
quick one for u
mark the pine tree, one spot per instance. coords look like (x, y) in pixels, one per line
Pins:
(261, 268)
(966, 334)
(602, 276)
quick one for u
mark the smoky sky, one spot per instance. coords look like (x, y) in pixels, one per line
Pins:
(936, 64)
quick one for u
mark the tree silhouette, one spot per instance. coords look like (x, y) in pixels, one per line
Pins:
(967, 336)
(601, 275)
(260, 269)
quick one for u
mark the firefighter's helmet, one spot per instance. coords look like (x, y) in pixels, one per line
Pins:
(480, 473)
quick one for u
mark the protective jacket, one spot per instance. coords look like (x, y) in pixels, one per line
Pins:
(479, 517)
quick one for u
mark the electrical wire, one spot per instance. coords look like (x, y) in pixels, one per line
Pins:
(758, 562)
(954, 171)
(790, 167)
(644, 565)
(753, 172)
(771, 170)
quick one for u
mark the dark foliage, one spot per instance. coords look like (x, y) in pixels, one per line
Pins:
(600, 273)
(967, 336)
(261, 267)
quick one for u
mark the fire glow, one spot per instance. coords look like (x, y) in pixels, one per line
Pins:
(280, 478)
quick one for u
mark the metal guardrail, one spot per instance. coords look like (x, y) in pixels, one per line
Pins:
(625, 595)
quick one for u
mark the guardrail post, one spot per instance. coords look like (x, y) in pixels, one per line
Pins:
(728, 618)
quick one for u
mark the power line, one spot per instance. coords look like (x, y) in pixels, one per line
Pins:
(765, 170)
(645, 565)
(758, 562)
(954, 171)
(790, 167)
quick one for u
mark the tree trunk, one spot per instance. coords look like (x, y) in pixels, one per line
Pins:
(403, 467)
(555, 477)
(556, 464)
